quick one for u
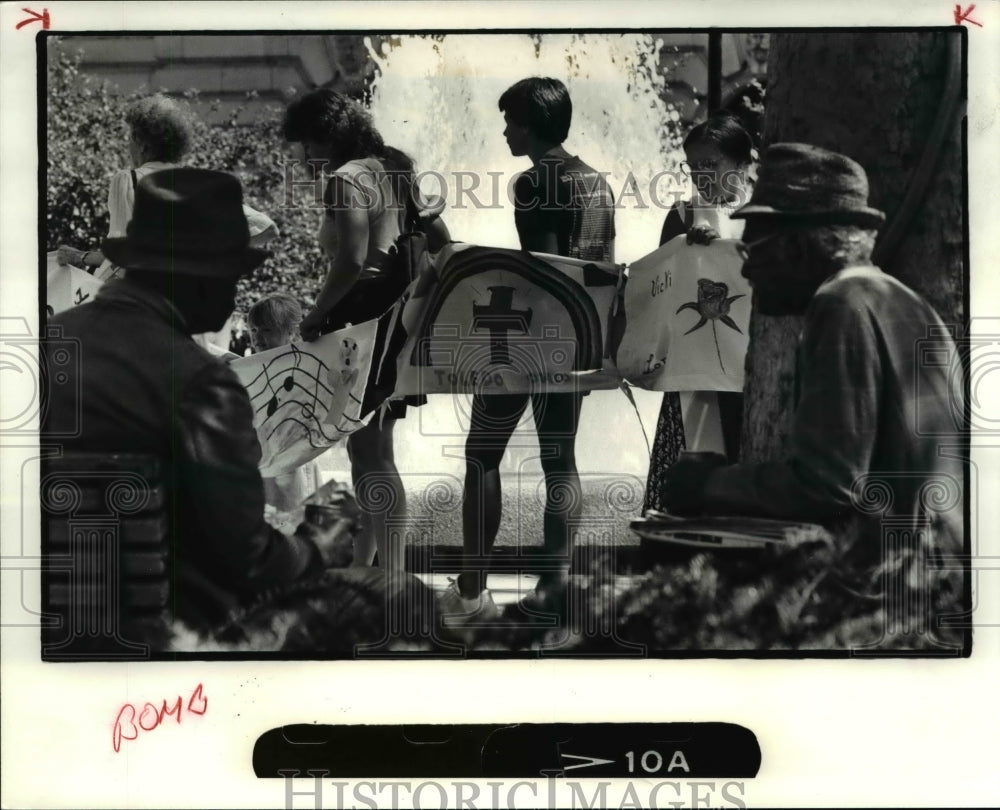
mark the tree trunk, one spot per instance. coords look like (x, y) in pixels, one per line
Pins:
(875, 98)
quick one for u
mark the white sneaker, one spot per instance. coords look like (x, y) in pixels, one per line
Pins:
(457, 610)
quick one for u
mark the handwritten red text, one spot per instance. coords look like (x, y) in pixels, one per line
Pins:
(35, 17)
(131, 720)
(965, 16)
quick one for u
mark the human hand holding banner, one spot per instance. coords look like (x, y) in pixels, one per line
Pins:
(67, 286)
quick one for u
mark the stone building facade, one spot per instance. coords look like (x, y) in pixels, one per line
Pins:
(225, 68)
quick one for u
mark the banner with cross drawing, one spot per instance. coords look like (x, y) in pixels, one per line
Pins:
(495, 321)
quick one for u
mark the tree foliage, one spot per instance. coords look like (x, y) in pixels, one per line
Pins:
(807, 597)
(87, 142)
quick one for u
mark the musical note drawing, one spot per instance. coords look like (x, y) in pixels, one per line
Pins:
(307, 397)
(287, 384)
(272, 403)
(291, 390)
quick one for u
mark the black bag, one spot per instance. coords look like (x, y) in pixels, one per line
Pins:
(372, 296)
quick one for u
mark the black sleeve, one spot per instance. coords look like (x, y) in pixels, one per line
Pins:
(541, 208)
(673, 225)
(221, 494)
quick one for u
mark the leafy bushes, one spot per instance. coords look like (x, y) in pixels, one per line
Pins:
(808, 598)
(87, 141)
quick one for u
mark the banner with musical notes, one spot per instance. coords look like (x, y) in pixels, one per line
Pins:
(67, 286)
(489, 320)
(688, 318)
(307, 397)
(496, 321)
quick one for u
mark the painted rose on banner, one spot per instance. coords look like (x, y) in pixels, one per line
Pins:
(712, 305)
(662, 349)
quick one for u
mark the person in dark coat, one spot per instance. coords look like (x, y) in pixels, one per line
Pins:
(144, 386)
(872, 423)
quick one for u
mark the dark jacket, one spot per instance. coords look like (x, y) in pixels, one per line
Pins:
(877, 431)
(144, 386)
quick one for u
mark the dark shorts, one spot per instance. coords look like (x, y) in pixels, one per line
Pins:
(369, 298)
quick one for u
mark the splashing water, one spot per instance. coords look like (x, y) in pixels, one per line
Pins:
(436, 98)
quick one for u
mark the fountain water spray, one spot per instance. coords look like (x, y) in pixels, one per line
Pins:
(436, 97)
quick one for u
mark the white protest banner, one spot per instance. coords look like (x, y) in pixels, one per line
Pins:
(67, 286)
(687, 314)
(497, 321)
(307, 397)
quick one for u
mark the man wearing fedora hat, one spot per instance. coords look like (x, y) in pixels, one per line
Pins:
(144, 386)
(867, 413)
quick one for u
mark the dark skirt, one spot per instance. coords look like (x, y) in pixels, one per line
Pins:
(668, 445)
(669, 441)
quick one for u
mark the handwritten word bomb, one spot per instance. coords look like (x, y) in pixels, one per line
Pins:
(131, 720)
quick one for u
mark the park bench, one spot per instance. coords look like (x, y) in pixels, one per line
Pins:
(106, 556)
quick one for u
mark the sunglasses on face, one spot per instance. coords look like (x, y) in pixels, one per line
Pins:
(744, 248)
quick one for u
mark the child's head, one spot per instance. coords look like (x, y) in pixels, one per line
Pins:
(274, 321)
(537, 106)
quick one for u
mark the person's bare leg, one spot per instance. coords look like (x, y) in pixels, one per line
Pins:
(494, 419)
(381, 496)
(556, 419)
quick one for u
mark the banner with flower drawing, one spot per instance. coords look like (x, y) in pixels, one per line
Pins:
(687, 318)
(487, 320)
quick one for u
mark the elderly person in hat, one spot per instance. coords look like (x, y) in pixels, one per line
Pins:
(859, 388)
(144, 386)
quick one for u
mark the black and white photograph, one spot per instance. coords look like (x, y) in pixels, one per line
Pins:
(391, 365)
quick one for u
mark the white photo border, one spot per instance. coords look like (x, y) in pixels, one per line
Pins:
(832, 732)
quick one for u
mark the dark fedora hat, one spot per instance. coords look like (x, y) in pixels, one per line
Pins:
(187, 221)
(797, 180)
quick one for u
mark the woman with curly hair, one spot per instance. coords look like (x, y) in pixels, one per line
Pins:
(369, 199)
(160, 135)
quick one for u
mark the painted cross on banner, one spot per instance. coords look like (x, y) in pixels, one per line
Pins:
(496, 321)
(500, 318)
